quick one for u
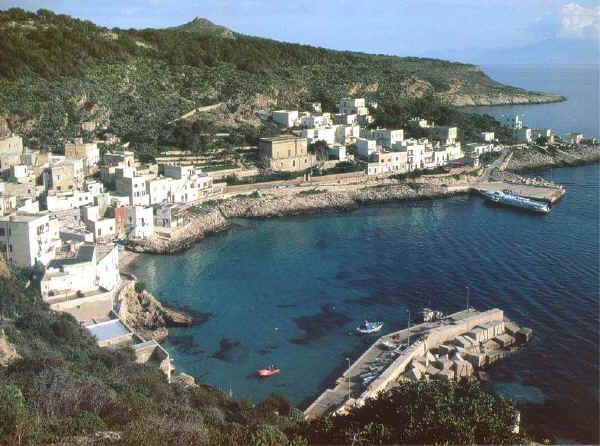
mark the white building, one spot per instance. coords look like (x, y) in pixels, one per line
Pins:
(388, 163)
(139, 221)
(522, 135)
(95, 267)
(365, 147)
(19, 172)
(573, 137)
(487, 136)
(315, 121)
(353, 106)
(135, 188)
(387, 138)
(345, 119)
(102, 228)
(448, 135)
(28, 239)
(478, 148)
(94, 187)
(63, 201)
(159, 190)
(88, 152)
(177, 172)
(326, 134)
(169, 215)
(286, 118)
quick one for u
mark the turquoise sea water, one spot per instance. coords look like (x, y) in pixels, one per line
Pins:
(291, 291)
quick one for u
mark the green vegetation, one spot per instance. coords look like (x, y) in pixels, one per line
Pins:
(308, 192)
(57, 71)
(418, 173)
(439, 412)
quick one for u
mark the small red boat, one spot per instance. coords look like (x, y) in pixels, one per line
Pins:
(270, 371)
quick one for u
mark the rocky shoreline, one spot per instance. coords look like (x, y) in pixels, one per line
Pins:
(270, 205)
(149, 319)
(216, 217)
(531, 160)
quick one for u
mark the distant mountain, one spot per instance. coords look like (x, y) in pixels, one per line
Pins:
(204, 26)
(549, 51)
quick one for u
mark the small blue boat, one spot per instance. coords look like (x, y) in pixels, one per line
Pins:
(369, 327)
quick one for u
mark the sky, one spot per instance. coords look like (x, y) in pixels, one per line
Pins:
(399, 27)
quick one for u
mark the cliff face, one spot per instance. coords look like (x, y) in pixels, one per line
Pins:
(146, 315)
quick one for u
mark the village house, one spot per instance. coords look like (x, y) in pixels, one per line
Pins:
(8, 204)
(28, 239)
(94, 187)
(315, 121)
(94, 268)
(65, 175)
(387, 138)
(447, 135)
(285, 153)
(62, 201)
(325, 134)
(286, 118)
(11, 149)
(139, 222)
(478, 148)
(353, 106)
(132, 186)
(345, 119)
(487, 136)
(573, 138)
(159, 190)
(169, 215)
(388, 162)
(365, 147)
(88, 152)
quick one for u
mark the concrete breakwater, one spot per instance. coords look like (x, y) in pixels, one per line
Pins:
(451, 349)
(277, 204)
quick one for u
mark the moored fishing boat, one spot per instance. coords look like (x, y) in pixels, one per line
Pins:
(369, 327)
(269, 371)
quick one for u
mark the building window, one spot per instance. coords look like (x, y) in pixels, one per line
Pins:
(10, 248)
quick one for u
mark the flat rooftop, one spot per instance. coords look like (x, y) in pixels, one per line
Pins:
(108, 330)
(281, 138)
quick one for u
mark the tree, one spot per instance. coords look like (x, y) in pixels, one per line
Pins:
(320, 149)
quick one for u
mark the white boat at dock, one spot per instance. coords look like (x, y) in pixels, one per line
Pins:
(369, 327)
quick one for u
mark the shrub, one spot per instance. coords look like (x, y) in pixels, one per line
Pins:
(139, 287)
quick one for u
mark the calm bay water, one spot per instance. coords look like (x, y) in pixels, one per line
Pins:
(289, 291)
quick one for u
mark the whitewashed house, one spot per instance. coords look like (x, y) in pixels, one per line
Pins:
(387, 138)
(28, 239)
(286, 118)
(139, 221)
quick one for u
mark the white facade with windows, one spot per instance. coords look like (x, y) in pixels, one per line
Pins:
(139, 221)
(28, 239)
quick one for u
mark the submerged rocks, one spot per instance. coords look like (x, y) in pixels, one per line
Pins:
(146, 315)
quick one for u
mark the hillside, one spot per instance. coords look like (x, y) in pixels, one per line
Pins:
(201, 25)
(57, 71)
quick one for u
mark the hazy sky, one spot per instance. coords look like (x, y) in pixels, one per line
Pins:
(400, 27)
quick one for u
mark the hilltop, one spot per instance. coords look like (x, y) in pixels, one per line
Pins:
(204, 26)
(57, 71)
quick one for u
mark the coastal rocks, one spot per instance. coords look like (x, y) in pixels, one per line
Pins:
(503, 99)
(199, 225)
(146, 315)
(530, 158)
